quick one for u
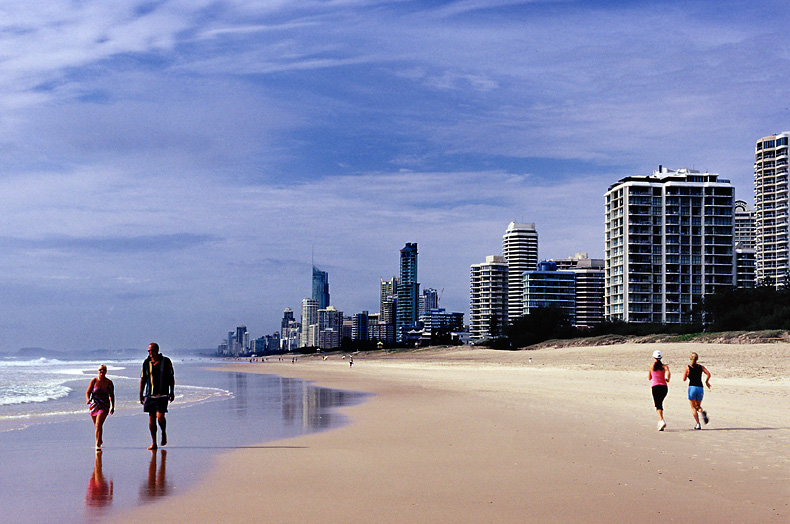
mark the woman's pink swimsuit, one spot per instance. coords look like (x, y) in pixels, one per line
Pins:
(100, 401)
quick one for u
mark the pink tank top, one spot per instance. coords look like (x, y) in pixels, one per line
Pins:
(657, 378)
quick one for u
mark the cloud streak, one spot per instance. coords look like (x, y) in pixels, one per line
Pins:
(109, 245)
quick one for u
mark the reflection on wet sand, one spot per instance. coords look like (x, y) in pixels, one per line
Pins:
(309, 406)
(299, 403)
(156, 484)
(99, 492)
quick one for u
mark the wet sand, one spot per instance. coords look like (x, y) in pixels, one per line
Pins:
(471, 436)
(55, 460)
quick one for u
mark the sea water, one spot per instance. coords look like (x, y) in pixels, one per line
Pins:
(49, 471)
(42, 389)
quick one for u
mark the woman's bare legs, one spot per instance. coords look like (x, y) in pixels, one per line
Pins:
(98, 422)
(695, 409)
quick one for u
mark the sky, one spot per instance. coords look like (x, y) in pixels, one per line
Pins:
(169, 169)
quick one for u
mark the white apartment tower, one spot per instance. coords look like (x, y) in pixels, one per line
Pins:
(771, 209)
(669, 242)
(488, 297)
(520, 250)
(309, 318)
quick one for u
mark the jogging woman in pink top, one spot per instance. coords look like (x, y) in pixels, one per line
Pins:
(659, 378)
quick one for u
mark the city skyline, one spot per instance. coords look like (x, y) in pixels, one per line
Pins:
(166, 167)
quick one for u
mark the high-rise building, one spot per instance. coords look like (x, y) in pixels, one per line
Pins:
(240, 341)
(488, 297)
(772, 266)
(289, 331)
(287, 320)
(347, 329)
(384, 333)
(669, 242)
(743, 224)
(330, 327)
(273, 342)
(321, 288)
(258, 346)
(520, 249)
(439, 319)
(745, 252)
(328, 339)
(589, 287)
(408, 293)
(312, 335)
(429, 299)
(547, 287)
(309, 318)
(359, 327)
(388, 298)
(744, 267)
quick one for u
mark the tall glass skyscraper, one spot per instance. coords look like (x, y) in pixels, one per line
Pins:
(321, 288)
(408, 292)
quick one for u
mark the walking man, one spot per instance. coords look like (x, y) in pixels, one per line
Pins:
(157, 387)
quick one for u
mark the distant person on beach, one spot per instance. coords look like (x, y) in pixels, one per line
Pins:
(659, 378)
(694, 373)
(157, 387)
(100, 397)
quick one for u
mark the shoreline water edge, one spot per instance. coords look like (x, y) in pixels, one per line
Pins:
(47, 437)
(554, 435)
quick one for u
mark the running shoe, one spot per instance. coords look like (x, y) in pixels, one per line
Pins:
(705, 417)
(697, 427)
(661, 425)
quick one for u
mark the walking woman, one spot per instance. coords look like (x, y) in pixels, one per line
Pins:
(659, 378)
(100, 396)
(694, 373)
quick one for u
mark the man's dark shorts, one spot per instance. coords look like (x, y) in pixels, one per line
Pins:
(154, 405)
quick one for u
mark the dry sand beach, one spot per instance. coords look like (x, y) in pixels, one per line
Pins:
(460, 435)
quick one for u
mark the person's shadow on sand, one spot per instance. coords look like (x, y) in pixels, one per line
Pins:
(156, 483)
(99, 492)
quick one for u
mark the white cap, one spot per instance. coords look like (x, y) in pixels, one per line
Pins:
(657, 354)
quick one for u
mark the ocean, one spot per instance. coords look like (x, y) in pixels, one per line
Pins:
(43, 390)
(46, 434)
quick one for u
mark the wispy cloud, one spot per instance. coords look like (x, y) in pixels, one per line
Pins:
(83, 245)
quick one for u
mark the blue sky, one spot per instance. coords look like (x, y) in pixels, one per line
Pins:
(166, 167)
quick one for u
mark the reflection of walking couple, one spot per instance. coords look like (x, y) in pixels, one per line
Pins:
(156, 486)
(99, 489)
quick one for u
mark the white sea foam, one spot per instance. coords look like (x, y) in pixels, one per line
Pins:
(49, 388)
(23, 394)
